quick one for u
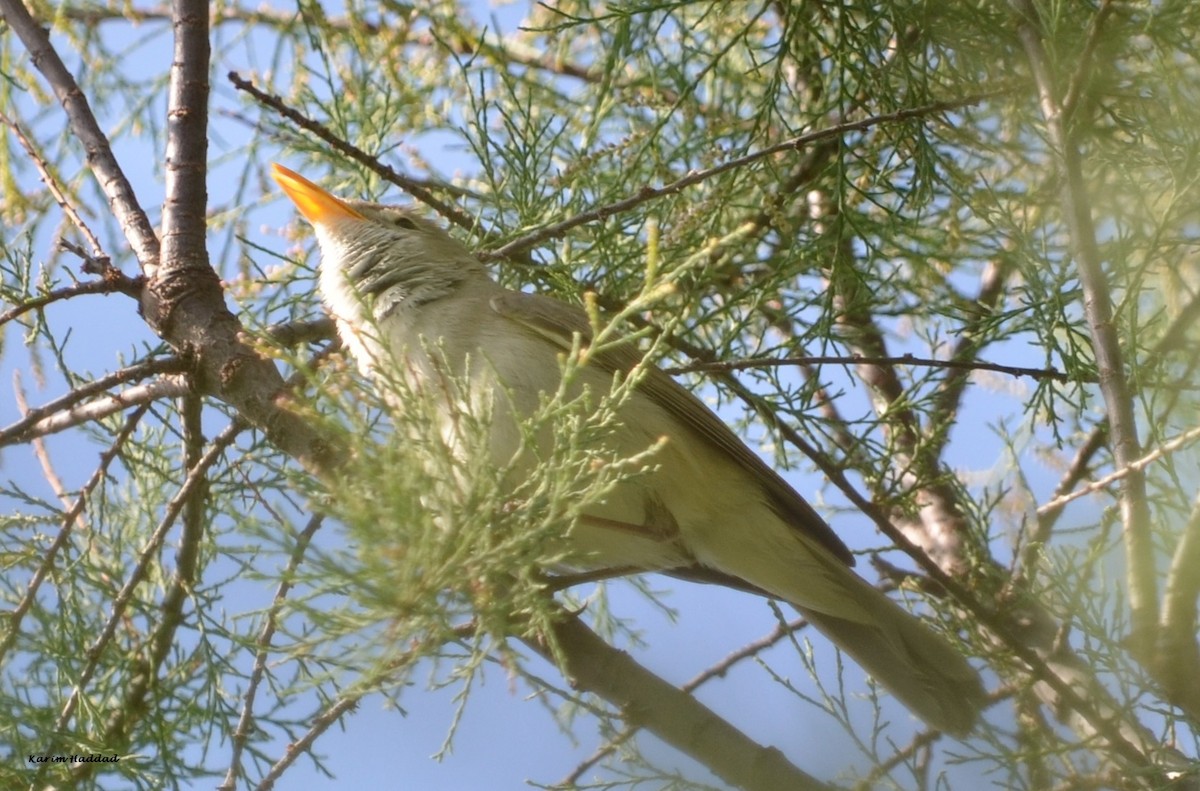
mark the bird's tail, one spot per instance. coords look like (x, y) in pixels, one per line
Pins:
(919, 667)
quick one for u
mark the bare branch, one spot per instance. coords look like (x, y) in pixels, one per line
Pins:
(60, 294)
(95, 264)
(167, 387)
(1114, 385)
(646, 701)
(184, 243)
(138, 231)
(1177, 650)
(43, 455)
(1134, 467)
(418, 189)
(157, 365)
(720, 669)
(857, 359)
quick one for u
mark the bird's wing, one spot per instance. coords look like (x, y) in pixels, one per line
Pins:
(558, 322)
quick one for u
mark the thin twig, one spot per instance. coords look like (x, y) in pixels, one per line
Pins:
(241, 733)
(413, 187)
(1134, 467)
(938, 527)
(859, 359)
(346, 702)
(60, 294)
(1079, 468)
(646, 194)
(95, 264)
(42, 453)
(1083, 70)
(462, 45)
(70, 519)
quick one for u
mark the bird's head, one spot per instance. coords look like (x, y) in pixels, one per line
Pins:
(384, 257)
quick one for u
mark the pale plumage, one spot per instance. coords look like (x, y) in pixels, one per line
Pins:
(711, 510)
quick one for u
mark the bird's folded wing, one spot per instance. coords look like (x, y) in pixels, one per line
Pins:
(558, 322)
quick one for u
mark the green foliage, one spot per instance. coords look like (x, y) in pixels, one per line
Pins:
(940, 235)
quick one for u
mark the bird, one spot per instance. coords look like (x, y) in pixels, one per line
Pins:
(709, 509)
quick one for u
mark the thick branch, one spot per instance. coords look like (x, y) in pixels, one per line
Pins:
(124, 204)
(1180, 663)
(674, 716)
(183, 223)
(1098, 308)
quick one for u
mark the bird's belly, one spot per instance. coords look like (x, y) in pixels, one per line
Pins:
(660, 516)
(629, 526)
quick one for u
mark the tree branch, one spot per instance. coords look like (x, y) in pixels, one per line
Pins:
(22, 429)
(1114, 385)
(184, 247)
(418, 189)
(1180, 664)
(58, 295)
(859, 359)
(124, 204)
(674, 716)
(97, 263)
(782, 630)
(1135, 467)
(99, 409)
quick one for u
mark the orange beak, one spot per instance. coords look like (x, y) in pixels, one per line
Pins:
(317, 205)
